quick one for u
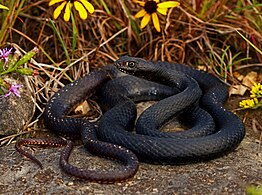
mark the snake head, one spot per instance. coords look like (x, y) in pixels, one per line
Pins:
(134, 66)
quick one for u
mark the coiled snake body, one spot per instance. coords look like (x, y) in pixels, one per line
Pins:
(215, 130)
(229, 130)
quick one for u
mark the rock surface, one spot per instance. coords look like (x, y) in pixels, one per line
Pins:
(15, 111)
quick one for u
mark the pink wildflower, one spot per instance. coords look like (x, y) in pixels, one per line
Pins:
(14, 89)
(4, 54)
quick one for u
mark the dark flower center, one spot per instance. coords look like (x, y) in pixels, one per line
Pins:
(150, 7)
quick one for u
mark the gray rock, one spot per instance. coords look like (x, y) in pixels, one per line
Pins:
(15, 111)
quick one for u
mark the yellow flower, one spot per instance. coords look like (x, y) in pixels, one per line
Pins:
(256, 90)
(151, 8)
(82, 6)
(249, 103)
(3, 7)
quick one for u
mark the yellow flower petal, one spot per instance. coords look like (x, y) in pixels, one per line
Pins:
(249, 103)
(241, 104)
(58, 10)
(140, 14)
(142, 3)
(90, 8)
(52, 2)
(256, 89)
(67, 11)
(156, 22)
(168, 4)
(3, 7)
(162, 10)
(145, 20)
(81, 10)
(157, 1)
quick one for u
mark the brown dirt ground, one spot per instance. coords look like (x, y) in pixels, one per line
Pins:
(230, 174)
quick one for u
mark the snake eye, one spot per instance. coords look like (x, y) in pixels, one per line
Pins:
(131, 64)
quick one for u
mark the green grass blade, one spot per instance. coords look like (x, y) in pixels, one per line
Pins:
(74, 34)
(61, 41)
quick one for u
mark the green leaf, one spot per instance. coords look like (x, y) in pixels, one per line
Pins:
(26, 57)
(25, 71)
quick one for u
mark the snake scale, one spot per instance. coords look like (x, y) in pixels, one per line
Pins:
(196, 97)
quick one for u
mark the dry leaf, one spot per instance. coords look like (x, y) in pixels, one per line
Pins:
(83, 108)
(250, 79)
(238, 76)
(247, 81)
(237, 90)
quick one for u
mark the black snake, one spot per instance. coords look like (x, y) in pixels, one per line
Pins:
(215, 132)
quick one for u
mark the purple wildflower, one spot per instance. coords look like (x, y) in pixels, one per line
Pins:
(4, 54)
(14, 89)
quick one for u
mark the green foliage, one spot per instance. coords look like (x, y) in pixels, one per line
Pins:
(8, 17)
(253, 190)
(14, 64)
(11, 63)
